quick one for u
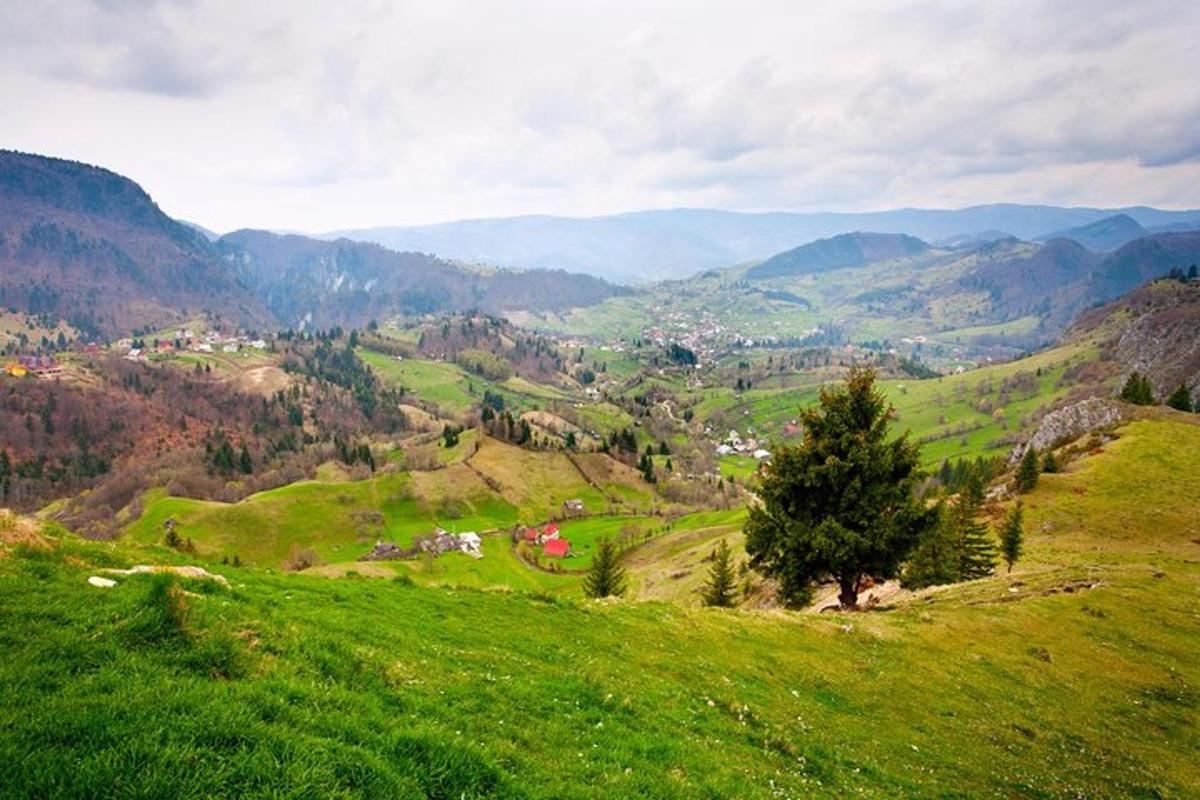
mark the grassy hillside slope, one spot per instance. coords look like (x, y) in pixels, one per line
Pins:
(1074, 676)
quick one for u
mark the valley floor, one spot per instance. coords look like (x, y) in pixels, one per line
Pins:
(1074, 676)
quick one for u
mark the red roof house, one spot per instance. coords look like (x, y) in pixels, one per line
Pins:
(531, 534)
(550, 531)
(556, 548)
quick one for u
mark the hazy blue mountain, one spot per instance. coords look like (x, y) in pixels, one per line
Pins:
(1102, 236)
(650, 245)
(963, 241)
(838, 252)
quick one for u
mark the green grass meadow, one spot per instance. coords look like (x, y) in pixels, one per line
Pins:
(292, 686)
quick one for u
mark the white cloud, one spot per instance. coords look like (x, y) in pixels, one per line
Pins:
(306, 116)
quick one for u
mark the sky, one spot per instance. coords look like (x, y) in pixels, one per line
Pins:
(321, 116)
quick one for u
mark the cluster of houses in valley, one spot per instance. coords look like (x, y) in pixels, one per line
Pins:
(441, 541)
(734, 443)
(445, 542)
(188, 340)
(549, 539)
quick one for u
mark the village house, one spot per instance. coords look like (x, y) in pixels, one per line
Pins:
(470, 543)
(573, 506)
(556, 548)
(443, 541)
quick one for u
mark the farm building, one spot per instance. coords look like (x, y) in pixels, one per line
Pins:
(556, 548)
(573, 506)
(550, 532)
(470, 543)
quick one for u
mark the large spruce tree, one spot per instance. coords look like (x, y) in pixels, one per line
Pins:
(935, 560)
(976, 549)
(1028, 471)
(1012, 535)
(720, 588)
(606, 576)
(843, 504)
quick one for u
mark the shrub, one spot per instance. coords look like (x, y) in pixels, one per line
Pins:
(300, 558)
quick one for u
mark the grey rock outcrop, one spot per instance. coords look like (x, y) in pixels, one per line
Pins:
(1069, 423)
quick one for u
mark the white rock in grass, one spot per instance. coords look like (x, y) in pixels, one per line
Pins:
(102, 583)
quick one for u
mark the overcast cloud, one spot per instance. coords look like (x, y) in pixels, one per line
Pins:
(312, 117)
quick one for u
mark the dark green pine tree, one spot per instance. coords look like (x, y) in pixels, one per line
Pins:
(1137, 390)
(843, 505)
(646, 467)
(976, 549)
(1027, 473)
(245, 463)
(935, 560)
(720, 587)
(1050, 463)
(606, 576)
(1011, 535)
(1181, 399)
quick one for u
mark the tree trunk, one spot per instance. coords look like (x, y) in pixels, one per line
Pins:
(848, 593)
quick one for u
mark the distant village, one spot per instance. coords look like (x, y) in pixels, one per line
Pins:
(184, 340)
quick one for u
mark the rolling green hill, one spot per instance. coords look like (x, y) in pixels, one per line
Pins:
(1073, 676)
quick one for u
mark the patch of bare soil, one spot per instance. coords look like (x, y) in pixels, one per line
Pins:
(265, 380)
(880, 594)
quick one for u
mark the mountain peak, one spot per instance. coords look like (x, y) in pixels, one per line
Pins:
(838, 252)
(1102, 235)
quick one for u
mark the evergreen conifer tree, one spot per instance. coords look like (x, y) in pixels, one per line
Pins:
(935, 560)
(1050, 462)
(844, 504)
(720, 588)
(1181, 399)
(606, 576)
(1027, 473)
(1137, 390)
(976, 550)
(1011, 535)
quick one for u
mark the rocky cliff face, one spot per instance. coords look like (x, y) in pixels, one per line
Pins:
(1069, 423)
(1154, 330)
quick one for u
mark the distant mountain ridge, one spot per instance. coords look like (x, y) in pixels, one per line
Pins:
(838, 252)
(652, 245)
(1103, 236)
(84, 244)
(312, 282)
